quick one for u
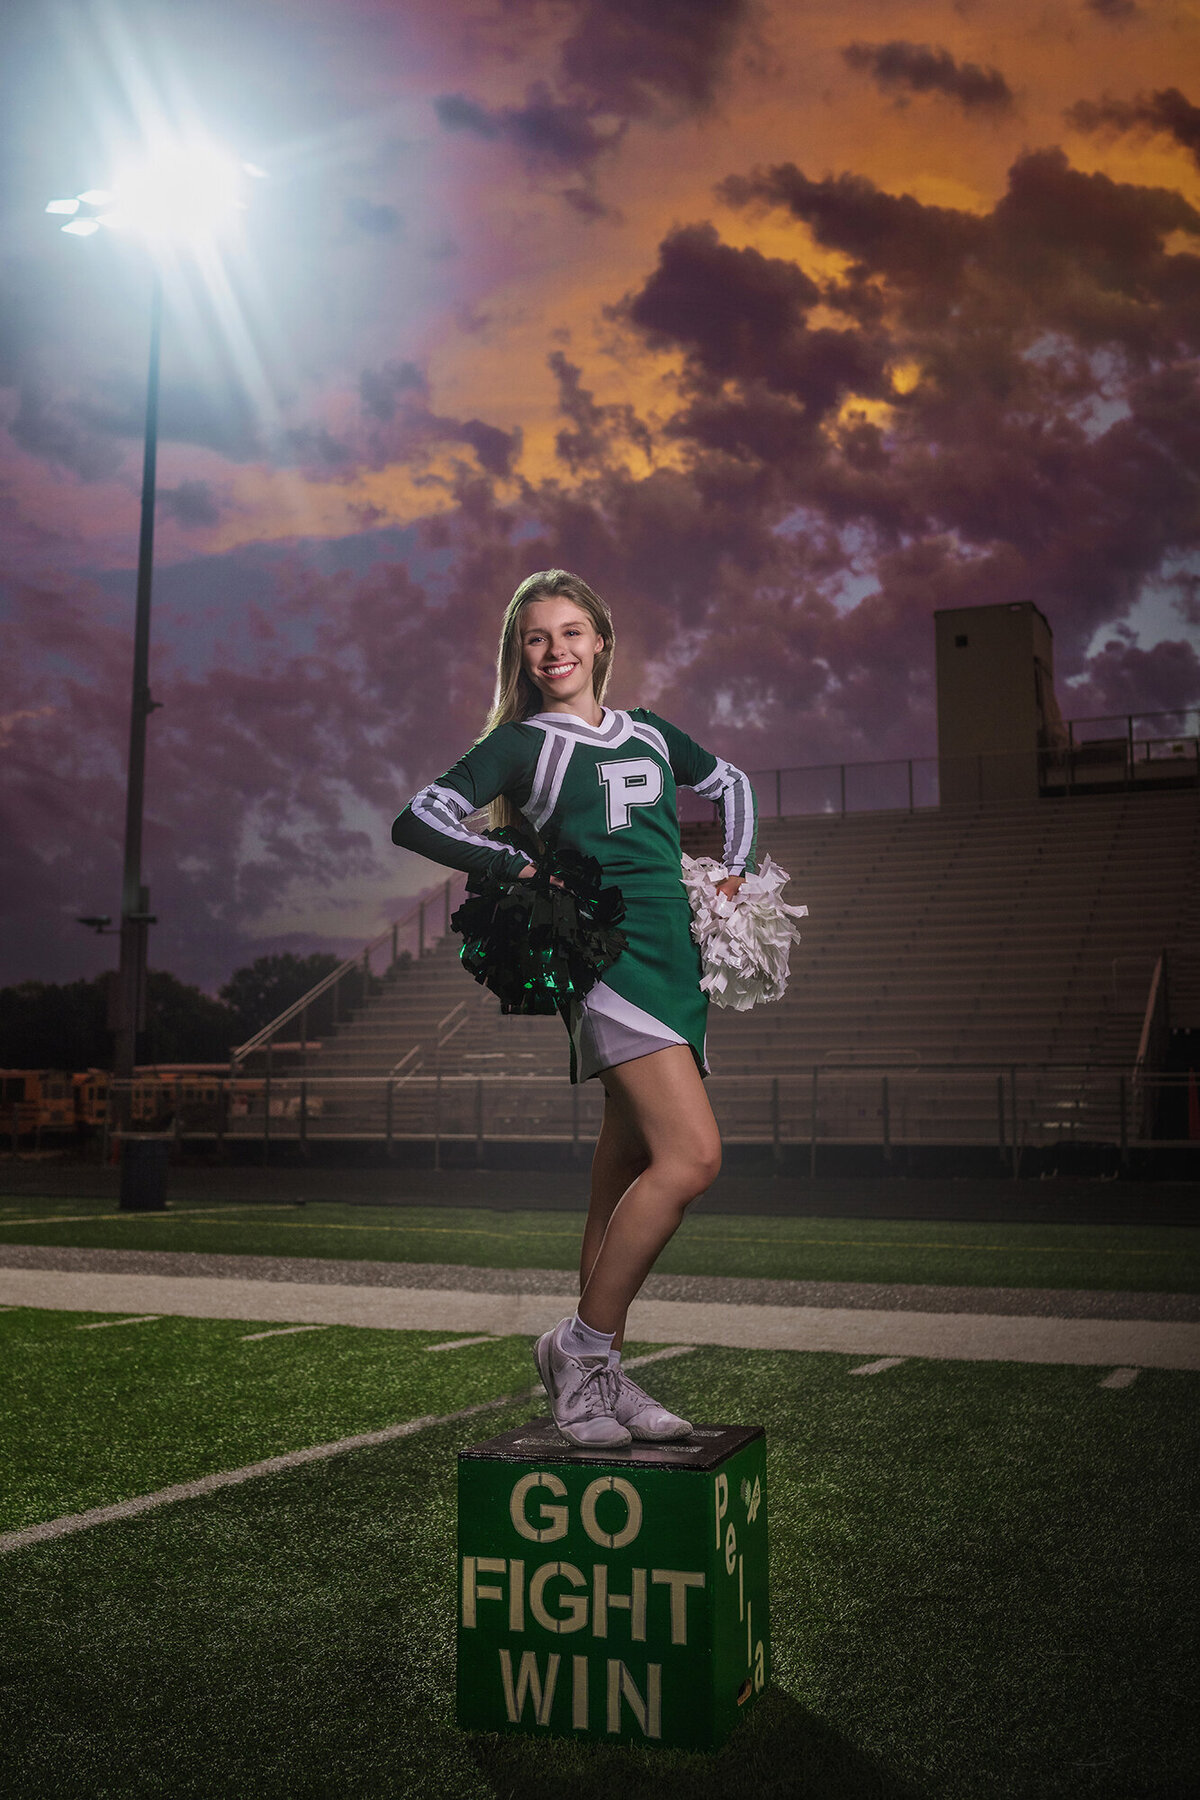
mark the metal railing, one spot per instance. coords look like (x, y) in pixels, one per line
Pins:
(356, 973)
(889, 1107)
(1095, 756)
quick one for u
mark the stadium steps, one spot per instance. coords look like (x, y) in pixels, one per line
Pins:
(1001, 935)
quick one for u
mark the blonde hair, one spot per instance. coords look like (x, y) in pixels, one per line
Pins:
(516, 697)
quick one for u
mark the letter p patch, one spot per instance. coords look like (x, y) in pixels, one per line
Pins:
(637, 781)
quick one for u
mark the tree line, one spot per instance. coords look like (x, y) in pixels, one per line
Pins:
(49, 1025)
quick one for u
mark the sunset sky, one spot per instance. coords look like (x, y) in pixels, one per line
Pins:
(782, 323)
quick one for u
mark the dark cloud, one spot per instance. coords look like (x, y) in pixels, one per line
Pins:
(547, 133)
(635, 57)
(497, 450)
(375, 219)
(1089, 254)
(50, 429)
(381, 389)
(1042, 439)
(595, 431)
(404, 428)
(1167, 112)
(456, 112)
(588, 204)
(759, 300)
(191, 503)
(890, 236)
(1124, 678)
(214, 415)
(1114, 12)
(739, 315)
(1062, 247)
(315, 447)
(250, 765)
(902, 68)
(623, 59)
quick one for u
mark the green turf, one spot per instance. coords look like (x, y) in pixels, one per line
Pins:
(983, 1586)
(1138, 1258)
(139, 1407)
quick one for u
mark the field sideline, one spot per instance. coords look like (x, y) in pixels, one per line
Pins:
(1161, 1258)
(978, 1577)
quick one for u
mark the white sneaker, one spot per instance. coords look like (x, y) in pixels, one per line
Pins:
(644, 1418)
(582, 1391)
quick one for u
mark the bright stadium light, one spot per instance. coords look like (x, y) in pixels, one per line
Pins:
(181, 194)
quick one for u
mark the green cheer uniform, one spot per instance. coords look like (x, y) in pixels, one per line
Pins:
(607, 791)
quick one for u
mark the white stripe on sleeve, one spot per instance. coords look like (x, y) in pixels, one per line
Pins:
(735, 796)
(443, 811)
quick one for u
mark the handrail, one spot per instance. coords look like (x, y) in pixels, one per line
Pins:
(407, 1057)
(1150, 1017)
(442, 1023)
(1127, 719)
(314, 993)
(263, 1037)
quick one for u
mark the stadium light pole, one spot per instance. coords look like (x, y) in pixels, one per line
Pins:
(136, 918)
(179, 197)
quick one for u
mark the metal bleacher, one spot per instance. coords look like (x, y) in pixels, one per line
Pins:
(968, 975)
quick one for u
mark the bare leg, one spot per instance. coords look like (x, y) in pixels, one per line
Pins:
(620, 1157)
(661, 1111)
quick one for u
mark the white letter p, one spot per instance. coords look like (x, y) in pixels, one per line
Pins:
(635, 782)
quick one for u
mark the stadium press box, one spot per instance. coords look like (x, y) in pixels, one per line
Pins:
(618, 1595)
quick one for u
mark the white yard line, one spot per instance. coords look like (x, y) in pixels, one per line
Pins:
(170, 1212)
(256, 1337)
(107, 1324)
(967, 1337)
(653, 1356)
(274, 1465)
(209, 1484)
(1121, 1378)
(877, 1368)
(462, 1343)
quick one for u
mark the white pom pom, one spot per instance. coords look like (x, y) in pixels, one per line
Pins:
(744, 942)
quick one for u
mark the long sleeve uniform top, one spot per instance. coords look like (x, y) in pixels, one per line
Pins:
(608, 791)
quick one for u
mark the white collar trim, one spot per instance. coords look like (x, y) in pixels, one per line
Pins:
(613, 726)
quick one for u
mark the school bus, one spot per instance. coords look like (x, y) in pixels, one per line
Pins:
(36, 1100)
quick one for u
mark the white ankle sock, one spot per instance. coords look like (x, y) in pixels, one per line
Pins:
(578, 1339)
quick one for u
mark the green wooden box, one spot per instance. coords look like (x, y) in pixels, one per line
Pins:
(618, 1595)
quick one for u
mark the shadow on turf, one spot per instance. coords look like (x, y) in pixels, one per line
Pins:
(780, 1750)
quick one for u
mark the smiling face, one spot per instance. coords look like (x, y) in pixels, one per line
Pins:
(559, 647)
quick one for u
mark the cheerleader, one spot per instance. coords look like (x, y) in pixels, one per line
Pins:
(555, 760)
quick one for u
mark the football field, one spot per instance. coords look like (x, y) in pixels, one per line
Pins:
(228, 1542)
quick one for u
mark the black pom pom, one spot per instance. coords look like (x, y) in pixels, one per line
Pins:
(538, 945)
